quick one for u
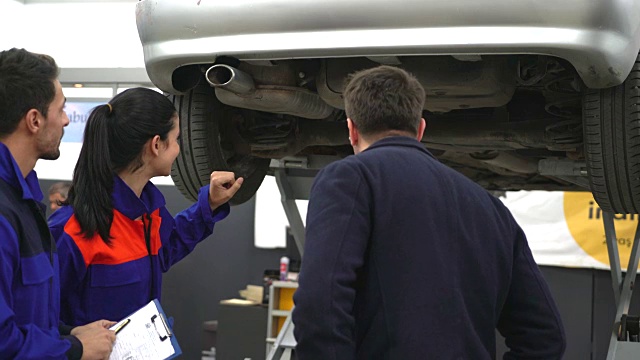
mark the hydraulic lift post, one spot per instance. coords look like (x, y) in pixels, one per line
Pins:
(625, 336)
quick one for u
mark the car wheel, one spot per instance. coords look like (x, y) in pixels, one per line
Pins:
(611, 119)
(208, 143)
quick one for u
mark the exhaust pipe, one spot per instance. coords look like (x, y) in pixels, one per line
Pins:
(237, 88)
(226, 77)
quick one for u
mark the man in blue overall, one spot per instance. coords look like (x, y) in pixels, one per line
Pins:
(406, 258)
(32, 119)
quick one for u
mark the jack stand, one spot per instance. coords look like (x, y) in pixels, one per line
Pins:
(625, 335)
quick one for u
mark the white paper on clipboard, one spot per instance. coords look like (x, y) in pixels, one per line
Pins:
(145, 337)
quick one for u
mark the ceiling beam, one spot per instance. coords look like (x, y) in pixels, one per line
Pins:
(104, 76)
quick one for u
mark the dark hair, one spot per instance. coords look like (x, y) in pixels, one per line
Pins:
(26, 82)
(384, 99)
(114, 137)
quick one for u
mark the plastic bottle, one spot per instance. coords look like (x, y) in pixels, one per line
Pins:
(284, 268)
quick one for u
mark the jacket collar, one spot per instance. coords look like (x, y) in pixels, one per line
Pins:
(399, 141)
(126, 201)
(11, 174)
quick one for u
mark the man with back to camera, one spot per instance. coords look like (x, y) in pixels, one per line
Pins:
(406, 258)
(32, 119)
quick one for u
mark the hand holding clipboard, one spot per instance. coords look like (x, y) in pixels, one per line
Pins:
(145, 334)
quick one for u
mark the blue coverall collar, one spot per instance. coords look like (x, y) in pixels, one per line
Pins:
(126, 201)
(11, 174)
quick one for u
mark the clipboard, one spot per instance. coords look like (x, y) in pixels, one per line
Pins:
(145, 335)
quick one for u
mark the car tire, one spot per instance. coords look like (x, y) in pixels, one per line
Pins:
(207, 145)
(611, 119)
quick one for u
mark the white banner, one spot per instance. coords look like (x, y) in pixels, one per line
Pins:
(566, 228)
(563, 228)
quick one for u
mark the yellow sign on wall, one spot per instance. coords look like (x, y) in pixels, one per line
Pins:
(584, 219)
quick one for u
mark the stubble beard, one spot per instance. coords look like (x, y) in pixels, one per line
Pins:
(53, 154)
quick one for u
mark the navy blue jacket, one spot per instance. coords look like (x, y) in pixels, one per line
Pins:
(29, 275)
(406, 258)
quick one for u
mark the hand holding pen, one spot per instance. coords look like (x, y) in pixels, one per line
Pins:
(96, 338)
(121, 326)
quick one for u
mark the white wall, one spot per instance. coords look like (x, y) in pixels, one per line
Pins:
(11, 25)
(77, 35)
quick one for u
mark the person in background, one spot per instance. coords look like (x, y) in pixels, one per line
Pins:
(58, 193)
(32, 119)
(406, 258)
(115, 236)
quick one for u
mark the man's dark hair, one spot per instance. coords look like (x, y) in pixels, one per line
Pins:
(384, 99)
(26, 82)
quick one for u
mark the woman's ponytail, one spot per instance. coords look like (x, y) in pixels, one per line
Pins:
(90, 193)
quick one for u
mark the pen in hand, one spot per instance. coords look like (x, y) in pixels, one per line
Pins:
(121, 326)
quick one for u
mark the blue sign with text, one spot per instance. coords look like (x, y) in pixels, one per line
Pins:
(78, 113)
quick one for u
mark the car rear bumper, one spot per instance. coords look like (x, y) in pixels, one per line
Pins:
(600, 38)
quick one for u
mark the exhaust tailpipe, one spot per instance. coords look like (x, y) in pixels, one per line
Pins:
(231, 79)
